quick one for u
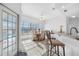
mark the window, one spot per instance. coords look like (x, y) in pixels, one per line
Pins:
(27, 26)
(9, 33)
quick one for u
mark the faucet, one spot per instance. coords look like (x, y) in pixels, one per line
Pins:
(73, 28)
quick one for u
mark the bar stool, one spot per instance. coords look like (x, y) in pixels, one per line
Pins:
(49, 45)
(57, 44)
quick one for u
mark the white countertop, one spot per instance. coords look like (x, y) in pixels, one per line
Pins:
(71, 45)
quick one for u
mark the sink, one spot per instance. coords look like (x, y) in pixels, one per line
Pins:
(71, 36)
(74, 37)
(77, 38)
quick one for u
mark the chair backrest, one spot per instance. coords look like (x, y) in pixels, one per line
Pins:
(43, 34)
(48, 35)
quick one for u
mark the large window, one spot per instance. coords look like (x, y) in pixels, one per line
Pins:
(28, 26)
(8, 41)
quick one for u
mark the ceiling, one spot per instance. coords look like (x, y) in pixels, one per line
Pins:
(50, 10)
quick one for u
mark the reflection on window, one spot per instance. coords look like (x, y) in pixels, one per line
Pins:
(10, 25)
(4, 43)
(9, 33)
(10, 18)
(9, 41)
(10, 50)
(4, 52)
(4, 34)
(14, 47)
(0, 48)
(14, 19)
(4, 16)
(5, 25)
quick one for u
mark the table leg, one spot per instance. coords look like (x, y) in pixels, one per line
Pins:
(47, 50)
(55, 49)
(58, 50)
(51, 51)
(63, 50)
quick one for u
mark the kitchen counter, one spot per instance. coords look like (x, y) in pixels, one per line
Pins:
(71, 44)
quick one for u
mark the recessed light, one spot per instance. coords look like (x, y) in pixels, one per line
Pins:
(63, 7)
(73, 16)
(53, 8)
(65, 10)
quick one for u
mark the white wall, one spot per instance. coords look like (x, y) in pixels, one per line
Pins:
(31, 19)
(54, 23)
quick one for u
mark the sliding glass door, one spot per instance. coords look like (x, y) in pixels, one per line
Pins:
(8, 42)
